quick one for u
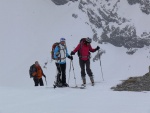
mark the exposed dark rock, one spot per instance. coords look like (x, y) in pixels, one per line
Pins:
(146, 7)
(104, 17)
(94, 18)
(131, 51)
(144, 4)
(131, 2)
(81, 5)
(75, 15)
(115, 35)
(94, 31)
(124, 37)
(141, 83)
(62, 2)
(95, 38)
(145, 34)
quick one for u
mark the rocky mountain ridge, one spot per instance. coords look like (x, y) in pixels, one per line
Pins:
(108, 26)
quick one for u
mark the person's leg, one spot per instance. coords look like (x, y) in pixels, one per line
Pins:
(82, 66)
(63, 70)
(89, 71)
(41, 82)
(58, 66)
(36, 81)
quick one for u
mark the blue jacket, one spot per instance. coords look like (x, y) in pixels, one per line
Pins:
(61, 52)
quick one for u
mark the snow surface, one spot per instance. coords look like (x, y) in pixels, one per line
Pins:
(28, 30)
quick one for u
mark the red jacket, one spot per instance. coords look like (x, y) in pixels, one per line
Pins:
(84, 49)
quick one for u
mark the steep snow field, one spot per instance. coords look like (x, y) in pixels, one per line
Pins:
(28, 28)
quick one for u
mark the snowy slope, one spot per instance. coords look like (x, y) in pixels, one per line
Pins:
(96, 100)
(28, 30)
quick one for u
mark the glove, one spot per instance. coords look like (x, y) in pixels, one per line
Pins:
(70, 57)
(72, 53)
(44, 76)
(97, 48)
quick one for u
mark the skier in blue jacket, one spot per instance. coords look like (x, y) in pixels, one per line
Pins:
(60, 54)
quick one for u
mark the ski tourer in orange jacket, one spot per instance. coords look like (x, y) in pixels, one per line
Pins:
(37, 74)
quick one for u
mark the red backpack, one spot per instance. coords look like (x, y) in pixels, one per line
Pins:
(53, 48)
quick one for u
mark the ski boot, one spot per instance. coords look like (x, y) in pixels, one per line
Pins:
(65, 85)
(84, 82)
(92, 81)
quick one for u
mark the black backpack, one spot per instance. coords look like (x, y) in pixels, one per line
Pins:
(31, 71)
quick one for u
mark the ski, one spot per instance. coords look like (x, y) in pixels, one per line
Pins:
(78, 87)
(75, 87)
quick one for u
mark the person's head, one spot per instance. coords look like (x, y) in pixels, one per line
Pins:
(88, 40)
(62, 41)
(36, 63)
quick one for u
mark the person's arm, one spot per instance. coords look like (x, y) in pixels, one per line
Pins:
(76, 49)
(93, 50)
(42, 72)
(68, 56)
(67, 52)
(56, 52)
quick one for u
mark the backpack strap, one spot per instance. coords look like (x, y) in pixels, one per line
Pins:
(59, 48)
(80, 50)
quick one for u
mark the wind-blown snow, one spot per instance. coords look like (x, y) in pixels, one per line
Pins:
(28, 30)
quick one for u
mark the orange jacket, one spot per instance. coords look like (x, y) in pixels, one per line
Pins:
(39, 72)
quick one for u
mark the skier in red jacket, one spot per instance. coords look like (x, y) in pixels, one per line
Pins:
(84, 48)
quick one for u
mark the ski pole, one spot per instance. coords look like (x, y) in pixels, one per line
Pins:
(46, 81)
(69, 72)
(100, 64)
(74, 73)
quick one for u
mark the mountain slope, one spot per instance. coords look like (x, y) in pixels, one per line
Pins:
(117, 22)
(29, 28)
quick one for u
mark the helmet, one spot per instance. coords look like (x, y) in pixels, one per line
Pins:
(88, 40)
(62, 39)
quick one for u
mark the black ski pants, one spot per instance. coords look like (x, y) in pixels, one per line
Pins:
(86, 63)
(61, 68)
(38, 81)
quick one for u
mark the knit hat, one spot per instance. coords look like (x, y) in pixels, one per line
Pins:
(36, 63)
(62, 39)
